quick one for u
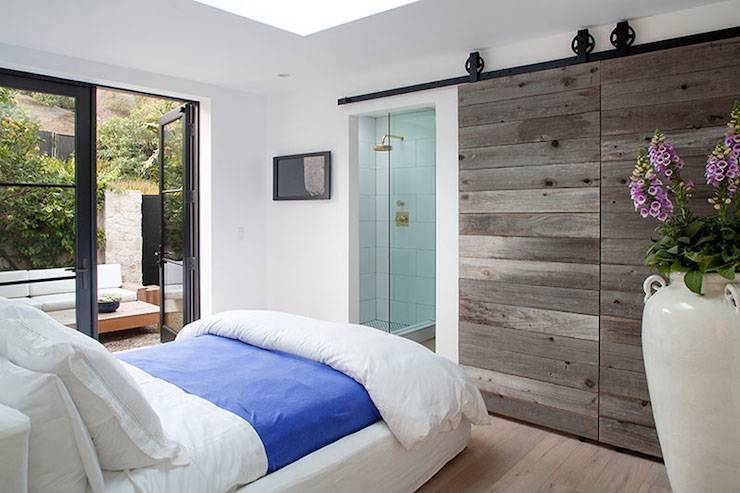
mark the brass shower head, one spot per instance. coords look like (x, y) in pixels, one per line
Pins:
(383, 146)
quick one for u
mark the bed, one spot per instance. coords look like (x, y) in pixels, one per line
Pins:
(257, 401)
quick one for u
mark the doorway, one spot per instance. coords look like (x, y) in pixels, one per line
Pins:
(76, 230)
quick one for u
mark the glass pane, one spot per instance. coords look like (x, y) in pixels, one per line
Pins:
(174, 223)
(412, 283)
(37, 201)
(173, 155)
(173, 295)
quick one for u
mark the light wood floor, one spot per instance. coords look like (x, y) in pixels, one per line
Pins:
(511, 457)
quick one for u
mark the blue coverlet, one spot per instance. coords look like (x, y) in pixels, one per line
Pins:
(295, 405)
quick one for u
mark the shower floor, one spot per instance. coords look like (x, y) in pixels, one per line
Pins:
(385, 325)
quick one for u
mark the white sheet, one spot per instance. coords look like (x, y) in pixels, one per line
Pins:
(418, 393)
(224, 450)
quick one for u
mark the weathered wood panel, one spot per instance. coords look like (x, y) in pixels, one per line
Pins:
(559, 372)
(624, 383)
(530, 227)
(621, 356)
(626, 409)
(671, 88)
(621, 330)
(578, 250)
(562, 299)
(627, 304)
(524, 85)
(532, 154)
(616, 173)
(540, 106)
(556, 274)
(624, 277)
(574, 175)
(559, 225)
(546, 201)
(630, 436)
(687, 143)
(553, 322)
(537, 130)
(624, 251)
(695, 58)
(533, 343)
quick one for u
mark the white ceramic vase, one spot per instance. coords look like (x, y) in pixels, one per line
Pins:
(691, 346)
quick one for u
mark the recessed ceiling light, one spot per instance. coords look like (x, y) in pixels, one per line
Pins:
(305, 17)
(283, 74)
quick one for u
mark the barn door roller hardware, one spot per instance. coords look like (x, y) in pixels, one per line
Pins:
(582, 45)
(622, 38)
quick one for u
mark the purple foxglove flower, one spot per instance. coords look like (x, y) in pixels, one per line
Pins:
(649, 195)
(663, 157)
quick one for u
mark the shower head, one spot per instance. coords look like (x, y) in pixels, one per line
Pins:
(383, 146)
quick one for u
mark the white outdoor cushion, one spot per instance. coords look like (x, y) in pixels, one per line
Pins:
(51, 287)
(124, 428)
(109, 276)
(125, 294)
(28, 301)
(61, 456)
(15, 432)
(53, 302)
(16, 290)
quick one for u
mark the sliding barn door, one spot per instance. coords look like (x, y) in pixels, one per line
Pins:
(529, 245)
(551, 250)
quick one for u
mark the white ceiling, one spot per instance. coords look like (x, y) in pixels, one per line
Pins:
(187, 39)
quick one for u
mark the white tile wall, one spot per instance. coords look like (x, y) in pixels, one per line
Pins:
(408, 252)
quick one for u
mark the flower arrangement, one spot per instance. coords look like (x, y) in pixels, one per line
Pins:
(686, 242)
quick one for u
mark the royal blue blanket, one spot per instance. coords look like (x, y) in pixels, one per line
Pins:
(295, 405)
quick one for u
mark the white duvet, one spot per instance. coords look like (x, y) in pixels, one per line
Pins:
(418, 393)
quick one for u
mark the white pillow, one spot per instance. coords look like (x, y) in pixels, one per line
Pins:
(61, 456)
(124, 428)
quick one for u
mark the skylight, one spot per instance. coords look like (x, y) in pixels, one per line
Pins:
(305, 17)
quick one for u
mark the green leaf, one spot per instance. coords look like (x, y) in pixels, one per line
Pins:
(693, 228)
(685, 240)
(727, 272)
(693, 281)
(673, 250)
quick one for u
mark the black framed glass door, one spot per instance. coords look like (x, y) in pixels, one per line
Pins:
(48, 197)
(178, 250)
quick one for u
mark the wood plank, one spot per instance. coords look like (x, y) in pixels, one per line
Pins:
(562, 299)
(527, 108)
(557, 274)
(621, 356)
(617, 173)
(629, 435)
(532, 154)
(620, 330)
(626, 409)
(671, 88)
(698, 57)
(617, 200)
(627, 225)
(626, 304)
(551, 417)
(577, 250)
(560, 372)
(623, 383)
(546, 201)
(687, 143)
(684, 115)
(526, 389)
(560, 225)
(535, 130)
(532, 319)
(624, 251)
(531, 84)
(532, 343)
(575, 175)
(624, 277)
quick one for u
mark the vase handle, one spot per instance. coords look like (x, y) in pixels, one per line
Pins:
(732, 293)
(652, 284)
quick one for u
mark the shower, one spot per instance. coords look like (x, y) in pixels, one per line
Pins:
(397, 284)
(383, 146)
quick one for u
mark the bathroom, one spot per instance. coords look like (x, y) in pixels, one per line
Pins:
(397, 223)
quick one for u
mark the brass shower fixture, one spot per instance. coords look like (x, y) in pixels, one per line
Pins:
(385, 144)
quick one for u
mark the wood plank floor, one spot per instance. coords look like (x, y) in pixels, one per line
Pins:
(512, 457)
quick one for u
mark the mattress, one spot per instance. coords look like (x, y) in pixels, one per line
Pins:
(225, 453)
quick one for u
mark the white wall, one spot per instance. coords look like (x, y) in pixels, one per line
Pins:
(233, 170)
(312, 246)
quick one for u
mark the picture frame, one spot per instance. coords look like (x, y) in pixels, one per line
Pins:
(302, 176)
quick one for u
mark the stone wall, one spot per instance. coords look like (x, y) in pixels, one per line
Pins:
(122, 226)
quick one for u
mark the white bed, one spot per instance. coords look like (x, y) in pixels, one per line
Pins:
(224, 453)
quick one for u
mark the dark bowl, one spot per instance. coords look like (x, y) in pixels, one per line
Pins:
(108, 306)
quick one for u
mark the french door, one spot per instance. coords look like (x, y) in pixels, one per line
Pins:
(48, 197)
(178, 249)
